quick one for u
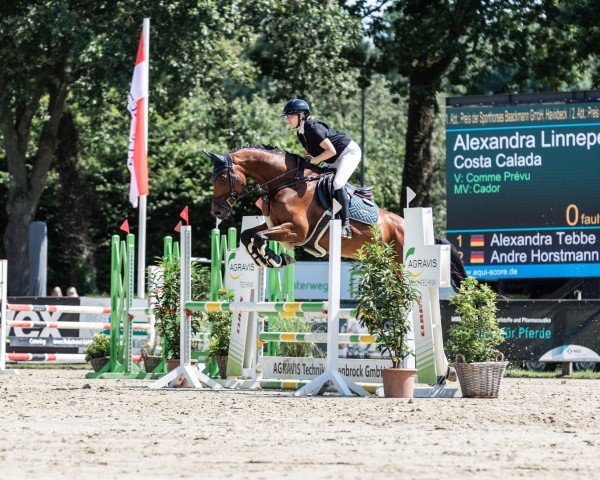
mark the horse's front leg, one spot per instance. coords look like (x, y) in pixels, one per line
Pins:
(256, 241)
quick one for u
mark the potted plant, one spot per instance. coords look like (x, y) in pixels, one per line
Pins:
(220, 331)
(475, 338)
(98, 351)
(385, 296)
(164, 293)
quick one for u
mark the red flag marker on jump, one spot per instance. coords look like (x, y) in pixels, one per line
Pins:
(178, 227)
(185, 215)
(125, 226)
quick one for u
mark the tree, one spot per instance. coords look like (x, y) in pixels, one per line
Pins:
(583, 17)
(49, 50)
(430, 42)
(303, 48)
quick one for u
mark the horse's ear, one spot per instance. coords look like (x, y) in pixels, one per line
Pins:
(212, 156)
(220, 163)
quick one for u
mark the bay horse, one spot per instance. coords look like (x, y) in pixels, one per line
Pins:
(292, 208)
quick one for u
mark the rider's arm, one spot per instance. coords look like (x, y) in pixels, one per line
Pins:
(329, 151)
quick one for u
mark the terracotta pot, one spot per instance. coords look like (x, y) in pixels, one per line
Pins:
(399, 382)
(172, 364)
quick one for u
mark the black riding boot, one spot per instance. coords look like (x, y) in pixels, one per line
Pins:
(342, 196)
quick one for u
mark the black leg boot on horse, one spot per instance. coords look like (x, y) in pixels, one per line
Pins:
(342, 197)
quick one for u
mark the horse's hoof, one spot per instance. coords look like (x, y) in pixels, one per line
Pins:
(451, 374)
(287, 259)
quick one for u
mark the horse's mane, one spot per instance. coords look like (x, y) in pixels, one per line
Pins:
(269, 148)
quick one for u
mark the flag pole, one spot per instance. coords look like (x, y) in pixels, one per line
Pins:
(141, 283)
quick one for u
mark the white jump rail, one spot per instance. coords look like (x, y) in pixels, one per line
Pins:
(73, 325)
(21, 307)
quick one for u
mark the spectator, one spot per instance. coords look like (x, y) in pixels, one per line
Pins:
(72, 292)
(56, 292)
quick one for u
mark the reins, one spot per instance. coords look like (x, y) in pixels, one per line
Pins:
(234, 196)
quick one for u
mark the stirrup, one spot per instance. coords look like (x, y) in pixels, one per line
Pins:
(346, 230)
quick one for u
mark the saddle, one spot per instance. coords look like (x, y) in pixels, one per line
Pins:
(363, 209)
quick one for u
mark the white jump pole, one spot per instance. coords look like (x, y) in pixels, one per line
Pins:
(194, 377)
(342, 384)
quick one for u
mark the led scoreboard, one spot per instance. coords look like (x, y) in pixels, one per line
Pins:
(523, 184)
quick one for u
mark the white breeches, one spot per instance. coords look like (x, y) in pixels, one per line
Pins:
(346, 163)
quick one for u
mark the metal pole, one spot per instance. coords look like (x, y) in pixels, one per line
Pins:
(185, 323)
(146, 30)
(362, 136)
(141, 283)
(333, 297)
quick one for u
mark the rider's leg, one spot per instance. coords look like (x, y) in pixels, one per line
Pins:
(345, 165)
(342, 197)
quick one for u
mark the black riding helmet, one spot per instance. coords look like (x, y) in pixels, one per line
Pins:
(296, 106)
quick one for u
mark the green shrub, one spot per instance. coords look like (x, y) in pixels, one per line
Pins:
(99, 347)
(477, 335)
(220, 331)
(385, 295)
(302, 349)
(164, 290)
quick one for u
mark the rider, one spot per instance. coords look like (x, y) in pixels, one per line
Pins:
(324, 144)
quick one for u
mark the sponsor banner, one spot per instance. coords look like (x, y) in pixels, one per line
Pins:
(552, 330)
(358, 370)
(48, 343)
(62, 340)
(43, 332)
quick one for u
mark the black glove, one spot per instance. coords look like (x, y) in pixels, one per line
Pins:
(307, 159)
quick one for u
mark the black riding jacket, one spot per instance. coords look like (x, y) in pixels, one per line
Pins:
(315, 132)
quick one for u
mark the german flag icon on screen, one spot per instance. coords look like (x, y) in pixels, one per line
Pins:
(477, 257)
(477, 241)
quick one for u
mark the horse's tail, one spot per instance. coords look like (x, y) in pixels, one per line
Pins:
(457, 267)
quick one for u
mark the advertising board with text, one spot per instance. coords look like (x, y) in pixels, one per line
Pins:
(523, 195)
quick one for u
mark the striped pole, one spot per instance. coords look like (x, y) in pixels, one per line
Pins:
(140, 311)
(18, 307)
(345, 313)
(75, 325)
(284, 307)
(313, 337)
(54, 357)
(281, 309)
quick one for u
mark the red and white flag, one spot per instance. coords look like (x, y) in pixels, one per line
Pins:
(137, 160)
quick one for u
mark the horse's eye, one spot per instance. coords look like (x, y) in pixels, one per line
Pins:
(222, 179)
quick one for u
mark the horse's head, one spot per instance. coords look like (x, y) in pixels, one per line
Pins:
(227, 184)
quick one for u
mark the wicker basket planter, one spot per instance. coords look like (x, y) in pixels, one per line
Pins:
(151, 362)
(480, 379)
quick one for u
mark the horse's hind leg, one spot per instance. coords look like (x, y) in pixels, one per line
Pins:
(256, 241)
